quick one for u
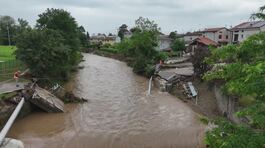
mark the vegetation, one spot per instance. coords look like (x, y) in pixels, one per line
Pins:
(200, 66)
(259, 15)
(141, 47)
(7, 53)
(173, 35)
(52, 48)
(122, 30)
(243, 75)
(178, 45)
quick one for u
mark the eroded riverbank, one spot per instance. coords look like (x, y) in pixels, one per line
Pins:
(118, 114)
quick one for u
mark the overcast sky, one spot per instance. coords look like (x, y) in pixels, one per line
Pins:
(105, 16)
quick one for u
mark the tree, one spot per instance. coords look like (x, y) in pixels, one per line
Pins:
(122, 30)
(260, 14)
(62, 21)
(200, 66)
(82, 36)
(141, 46)
(144, 24)
(178, 45)
(173, 35)
(242, 72)
(23, 25)
(7, 27)
(44, 52)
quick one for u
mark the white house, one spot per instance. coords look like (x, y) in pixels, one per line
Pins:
(221, 35)
(164, 43)
(246, 29)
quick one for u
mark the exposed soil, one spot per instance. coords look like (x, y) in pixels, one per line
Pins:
(206, 104)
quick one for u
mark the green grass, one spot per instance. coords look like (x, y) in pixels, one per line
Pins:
(6, 53)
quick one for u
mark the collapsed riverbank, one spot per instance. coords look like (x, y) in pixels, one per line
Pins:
(207, 104)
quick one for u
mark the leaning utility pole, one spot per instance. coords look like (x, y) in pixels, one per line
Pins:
(8, 36)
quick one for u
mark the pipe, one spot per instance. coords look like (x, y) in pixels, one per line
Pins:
(11, 121)
(150, 85)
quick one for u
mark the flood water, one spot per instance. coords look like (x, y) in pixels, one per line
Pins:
(118, 114)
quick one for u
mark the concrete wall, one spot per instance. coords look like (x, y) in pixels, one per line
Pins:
(163, 44)
(245, 33)
(215, 35)
(189, 38)
(226, 105)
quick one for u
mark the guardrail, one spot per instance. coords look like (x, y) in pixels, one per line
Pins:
(150, 86)
(11, 121)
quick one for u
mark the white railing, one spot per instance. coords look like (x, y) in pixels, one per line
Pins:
(150, 86)
(11, 121)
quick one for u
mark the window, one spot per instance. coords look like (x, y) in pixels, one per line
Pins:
(220, 36)
(236, 38)
(242, 31)
(242, 36)
(220, 31)
(226, 36)
(236, 31)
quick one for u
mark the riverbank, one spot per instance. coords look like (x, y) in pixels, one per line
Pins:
(207, 104)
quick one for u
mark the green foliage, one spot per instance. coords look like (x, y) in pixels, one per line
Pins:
(62, 21)
(141, 47)
(229, 135)
(178, 45)
(200, 66)
(7, 53)
(144, 24)
(242, 68)
(109, 49)
(44, 53)
(122, 30)
(7, 23)
(173, 35)
(260, 14)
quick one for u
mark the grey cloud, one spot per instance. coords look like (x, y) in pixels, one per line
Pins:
(107, 15)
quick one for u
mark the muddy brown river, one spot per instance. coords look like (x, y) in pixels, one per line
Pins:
(118, 114)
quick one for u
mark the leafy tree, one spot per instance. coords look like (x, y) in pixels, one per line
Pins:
(82, 36)
(141, 46)
(242, 71)
(200, 66)
(7, 23)
(178, 45)
(260, 14)
(62, 21)
(23, 25)
(44, 52)
(144, 24)
(173, 35)
(122, 30)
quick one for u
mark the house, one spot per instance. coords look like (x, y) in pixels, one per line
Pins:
(221, 35)
(190, 36)
(103, 39)
(246, 29)
(201, 42)
(164, 43)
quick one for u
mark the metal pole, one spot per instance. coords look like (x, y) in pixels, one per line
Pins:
(150, 85)
(11, 121)
(9, 42)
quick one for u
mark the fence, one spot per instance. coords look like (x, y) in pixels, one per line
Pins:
(8, 68)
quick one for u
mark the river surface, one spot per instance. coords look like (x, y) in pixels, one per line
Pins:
(118, 114)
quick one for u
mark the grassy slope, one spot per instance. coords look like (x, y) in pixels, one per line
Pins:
(6, 53)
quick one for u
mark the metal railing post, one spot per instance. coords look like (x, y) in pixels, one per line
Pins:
(11, 121)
